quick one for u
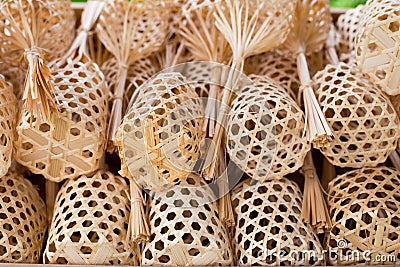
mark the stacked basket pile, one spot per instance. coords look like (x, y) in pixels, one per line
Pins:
(150, 146)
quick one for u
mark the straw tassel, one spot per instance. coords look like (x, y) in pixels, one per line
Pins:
(314, 210)
(138, 228)
(317, 128)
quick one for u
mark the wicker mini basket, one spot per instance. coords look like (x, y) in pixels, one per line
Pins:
(364, 206)
(23, 220)
(362, 118)
(269, 229)
(72, 143)
(90, 222)
(8, 111)
(185, 227)
(265, 131)
(159, 138)
(377, 43)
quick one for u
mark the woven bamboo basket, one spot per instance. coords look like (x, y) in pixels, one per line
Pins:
(279, 67)
(138, 73)
(72, 143)
(347, 25)
(130, 31)
(265, 131)
(361, 116)
(269, 228)
(377, 44)
(159, 138)
(90, 222)
(185, 227)
(23, 220)
(364, 206)
(8, 111)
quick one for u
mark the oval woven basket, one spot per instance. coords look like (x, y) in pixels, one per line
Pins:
(23, 220)
(363, 120)
(269, 228)
(90, 222)
(265, 130)
(185, 227)
(159, 138)
(364, 207)
(377, 43)
(8, 112)
(74, 141)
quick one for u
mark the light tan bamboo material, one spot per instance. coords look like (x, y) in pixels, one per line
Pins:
(250, 29)
(265, 131)
(363, 120)
(185, 227)
(205, 42)
(35, 31)
(364, 205)
(347, 25)
(8, 115)
(159, 138)
(377, 43)
(90, 223)
(314, 210)
(138, 73)
(14, 75)
(130, 31)
(97, 52)
(331, 44)
(269, 229)
(51, 194)
(279, 67)
(23, 220)
(312, 21)
(73, 143)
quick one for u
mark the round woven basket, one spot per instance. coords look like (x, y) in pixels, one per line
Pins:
(23, 220)
(90, 222)
(73, 142)
(364, 207)
(265, 130)
(138, 73)
(185, 227)
(377, 44)
(159, 138)
(8, 110)
(363, 120)
(269, 229)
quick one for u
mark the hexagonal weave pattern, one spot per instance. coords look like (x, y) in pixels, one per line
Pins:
(377, 44)
(364, 207)
(160, 135)
(23, 220)
(73, 143)
(185, 227)
(269, 229)
(265, 130)
(363, 120)
(90, 222)
(347, 26)
(138, 73)
(8, 111)
(280, 68)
